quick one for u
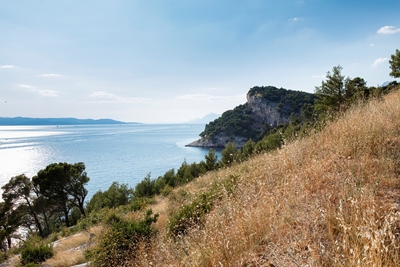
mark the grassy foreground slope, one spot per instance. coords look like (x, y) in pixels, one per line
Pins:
(331, 199)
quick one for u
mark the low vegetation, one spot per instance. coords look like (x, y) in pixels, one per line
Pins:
(328, 199)
(321, 191)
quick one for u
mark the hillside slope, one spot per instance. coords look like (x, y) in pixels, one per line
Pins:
(331, 199)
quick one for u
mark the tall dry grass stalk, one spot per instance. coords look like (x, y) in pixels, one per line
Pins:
(330, 199)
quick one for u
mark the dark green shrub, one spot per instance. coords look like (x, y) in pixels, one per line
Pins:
(137, 204)
(118, 245)
(3, 257)
(229, 154)
(191, 215)
(116, 195)
(270, 142)
(170, 178)
(36, 253)
(74, 216)
(166, 190)
(146, 188)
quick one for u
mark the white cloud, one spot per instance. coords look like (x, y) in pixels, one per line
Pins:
(389, 30)
(379, 61)
(50, 75)
(371, 44)
(102, 94)
(111, 98)
(295, 19)
(7, 67)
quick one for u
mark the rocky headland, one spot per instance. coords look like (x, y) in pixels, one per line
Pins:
(266, 108)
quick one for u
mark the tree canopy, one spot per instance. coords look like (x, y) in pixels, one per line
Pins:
(395, 64)
(331, 92)
(64, 185)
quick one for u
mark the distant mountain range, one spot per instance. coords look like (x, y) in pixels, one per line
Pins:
(206, 119)
(54, 121)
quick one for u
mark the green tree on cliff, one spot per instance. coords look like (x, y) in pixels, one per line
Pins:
(331, 93)
(395, 64)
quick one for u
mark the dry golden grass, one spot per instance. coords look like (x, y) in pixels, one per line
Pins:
(68, 251)
(66, 259)
(330, 199)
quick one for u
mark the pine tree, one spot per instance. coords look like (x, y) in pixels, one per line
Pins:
(331, 93)
(395, 64)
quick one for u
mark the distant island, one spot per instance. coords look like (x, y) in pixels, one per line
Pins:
(54, 121)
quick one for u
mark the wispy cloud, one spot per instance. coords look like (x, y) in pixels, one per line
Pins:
(50, 75)
(50, 93)
(371, 44)
(26, 86)
(379, 61)
(295, 19)
(389, 30)
(207, 98)
(112, 98)
(7, 67)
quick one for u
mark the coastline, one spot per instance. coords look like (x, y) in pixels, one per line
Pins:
(218, 142)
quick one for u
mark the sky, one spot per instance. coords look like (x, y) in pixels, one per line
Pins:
(164, 61)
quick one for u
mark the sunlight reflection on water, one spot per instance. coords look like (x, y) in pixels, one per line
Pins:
(123, 153)
(18, 152)
(22, 160)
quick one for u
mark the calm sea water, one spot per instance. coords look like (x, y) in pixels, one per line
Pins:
(124, 153)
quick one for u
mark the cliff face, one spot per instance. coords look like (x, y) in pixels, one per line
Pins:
(266, 107)
(265, 112)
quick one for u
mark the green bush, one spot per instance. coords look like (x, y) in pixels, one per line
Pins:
(166, 190)
(31, 264)
(117, 246)
(3, 257)
(191, 215)
(146, 188)
(137, 204)
(36, 253)
(116, 195)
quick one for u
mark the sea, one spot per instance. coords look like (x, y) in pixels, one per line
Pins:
(124, 153)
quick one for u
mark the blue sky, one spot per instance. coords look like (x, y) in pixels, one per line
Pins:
(172, 61)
